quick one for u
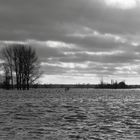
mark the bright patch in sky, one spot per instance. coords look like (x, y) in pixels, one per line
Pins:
(122, 4)
(55, 44)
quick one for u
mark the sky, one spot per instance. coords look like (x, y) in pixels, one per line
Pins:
(77, 41)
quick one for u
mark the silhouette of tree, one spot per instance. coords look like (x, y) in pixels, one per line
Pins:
(7, 55)
(6, 82)
(22, 60)
(122, 84)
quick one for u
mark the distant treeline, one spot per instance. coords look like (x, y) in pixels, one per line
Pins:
(63, 86)
(95, 86)
(113, 85)
(68, 86)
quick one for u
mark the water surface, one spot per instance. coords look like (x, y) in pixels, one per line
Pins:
(78, 114)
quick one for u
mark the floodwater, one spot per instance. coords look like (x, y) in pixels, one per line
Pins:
(78, 114)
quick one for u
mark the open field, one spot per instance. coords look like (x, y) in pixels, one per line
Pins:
(84, 114)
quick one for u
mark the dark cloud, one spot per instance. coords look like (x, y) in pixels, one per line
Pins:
(48, 17)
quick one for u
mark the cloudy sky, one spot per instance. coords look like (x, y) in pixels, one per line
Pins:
(77, 41)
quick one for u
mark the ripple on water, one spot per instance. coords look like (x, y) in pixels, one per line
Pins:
(77, 114)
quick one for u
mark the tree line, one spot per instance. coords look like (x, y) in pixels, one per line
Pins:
(20, 65)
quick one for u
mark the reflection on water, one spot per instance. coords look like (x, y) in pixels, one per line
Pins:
(82, 114)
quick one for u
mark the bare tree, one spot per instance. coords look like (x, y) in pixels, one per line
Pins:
(7, 55)
(23, 61)
(6, 82)
(31, 66)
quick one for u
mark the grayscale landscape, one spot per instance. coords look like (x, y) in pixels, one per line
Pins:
(69, 69)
